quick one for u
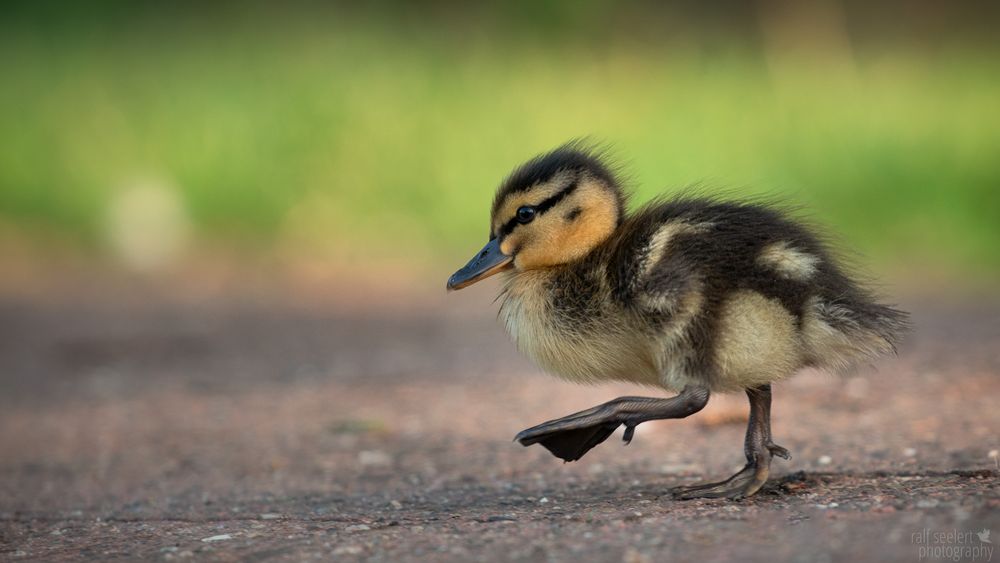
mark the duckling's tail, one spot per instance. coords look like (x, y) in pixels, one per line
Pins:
(840, 332)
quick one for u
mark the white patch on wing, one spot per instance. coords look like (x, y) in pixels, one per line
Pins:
(788, 262)
(656, 249)
(660, 241)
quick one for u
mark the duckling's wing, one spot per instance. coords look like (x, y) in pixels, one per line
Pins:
(707, 254)
(649, 266)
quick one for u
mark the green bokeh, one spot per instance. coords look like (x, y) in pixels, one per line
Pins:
(378, 128)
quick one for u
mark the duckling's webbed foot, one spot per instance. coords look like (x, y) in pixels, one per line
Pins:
(759, 450)
(570, 437)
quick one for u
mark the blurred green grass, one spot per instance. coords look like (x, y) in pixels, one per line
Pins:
(348, 138)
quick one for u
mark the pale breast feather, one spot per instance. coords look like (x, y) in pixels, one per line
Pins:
(601, 349)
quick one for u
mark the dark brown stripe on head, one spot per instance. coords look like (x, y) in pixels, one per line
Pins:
(542, 207)
(573, 157)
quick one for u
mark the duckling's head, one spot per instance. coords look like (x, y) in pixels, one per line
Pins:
(553, 210)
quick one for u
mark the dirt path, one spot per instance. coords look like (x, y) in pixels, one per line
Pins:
(264, 431)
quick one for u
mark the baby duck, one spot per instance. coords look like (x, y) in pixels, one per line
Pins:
(694, 295)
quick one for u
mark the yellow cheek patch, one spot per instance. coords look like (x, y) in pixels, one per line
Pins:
(554, 239)
(576, 240)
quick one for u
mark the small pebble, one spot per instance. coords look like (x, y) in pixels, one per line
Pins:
(672, 468)
(357, 528)
(910, 452)
(928, 503)
(220, 537)
(543, 500)
(373, 458)
(632, 555)
(396, 504)
(347, 550)
(825, 460)
(270, 516)
(633, 516)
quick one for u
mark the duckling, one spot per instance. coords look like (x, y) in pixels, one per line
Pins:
(694, 295)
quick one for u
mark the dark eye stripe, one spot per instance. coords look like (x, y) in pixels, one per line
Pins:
(555, 198)
(542, 207)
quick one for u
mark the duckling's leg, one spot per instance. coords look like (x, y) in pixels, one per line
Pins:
(572, 436)
(758, 448)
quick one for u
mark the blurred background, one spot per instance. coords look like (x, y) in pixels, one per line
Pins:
(323, 140)
(225, 230)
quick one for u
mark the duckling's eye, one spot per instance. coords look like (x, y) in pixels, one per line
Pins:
(525, 214)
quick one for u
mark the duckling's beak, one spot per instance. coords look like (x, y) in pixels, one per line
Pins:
(490, 260)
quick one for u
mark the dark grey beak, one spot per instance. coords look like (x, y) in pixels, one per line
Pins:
(490, 260)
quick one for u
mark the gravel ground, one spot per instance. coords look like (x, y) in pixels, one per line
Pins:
(266, 429)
